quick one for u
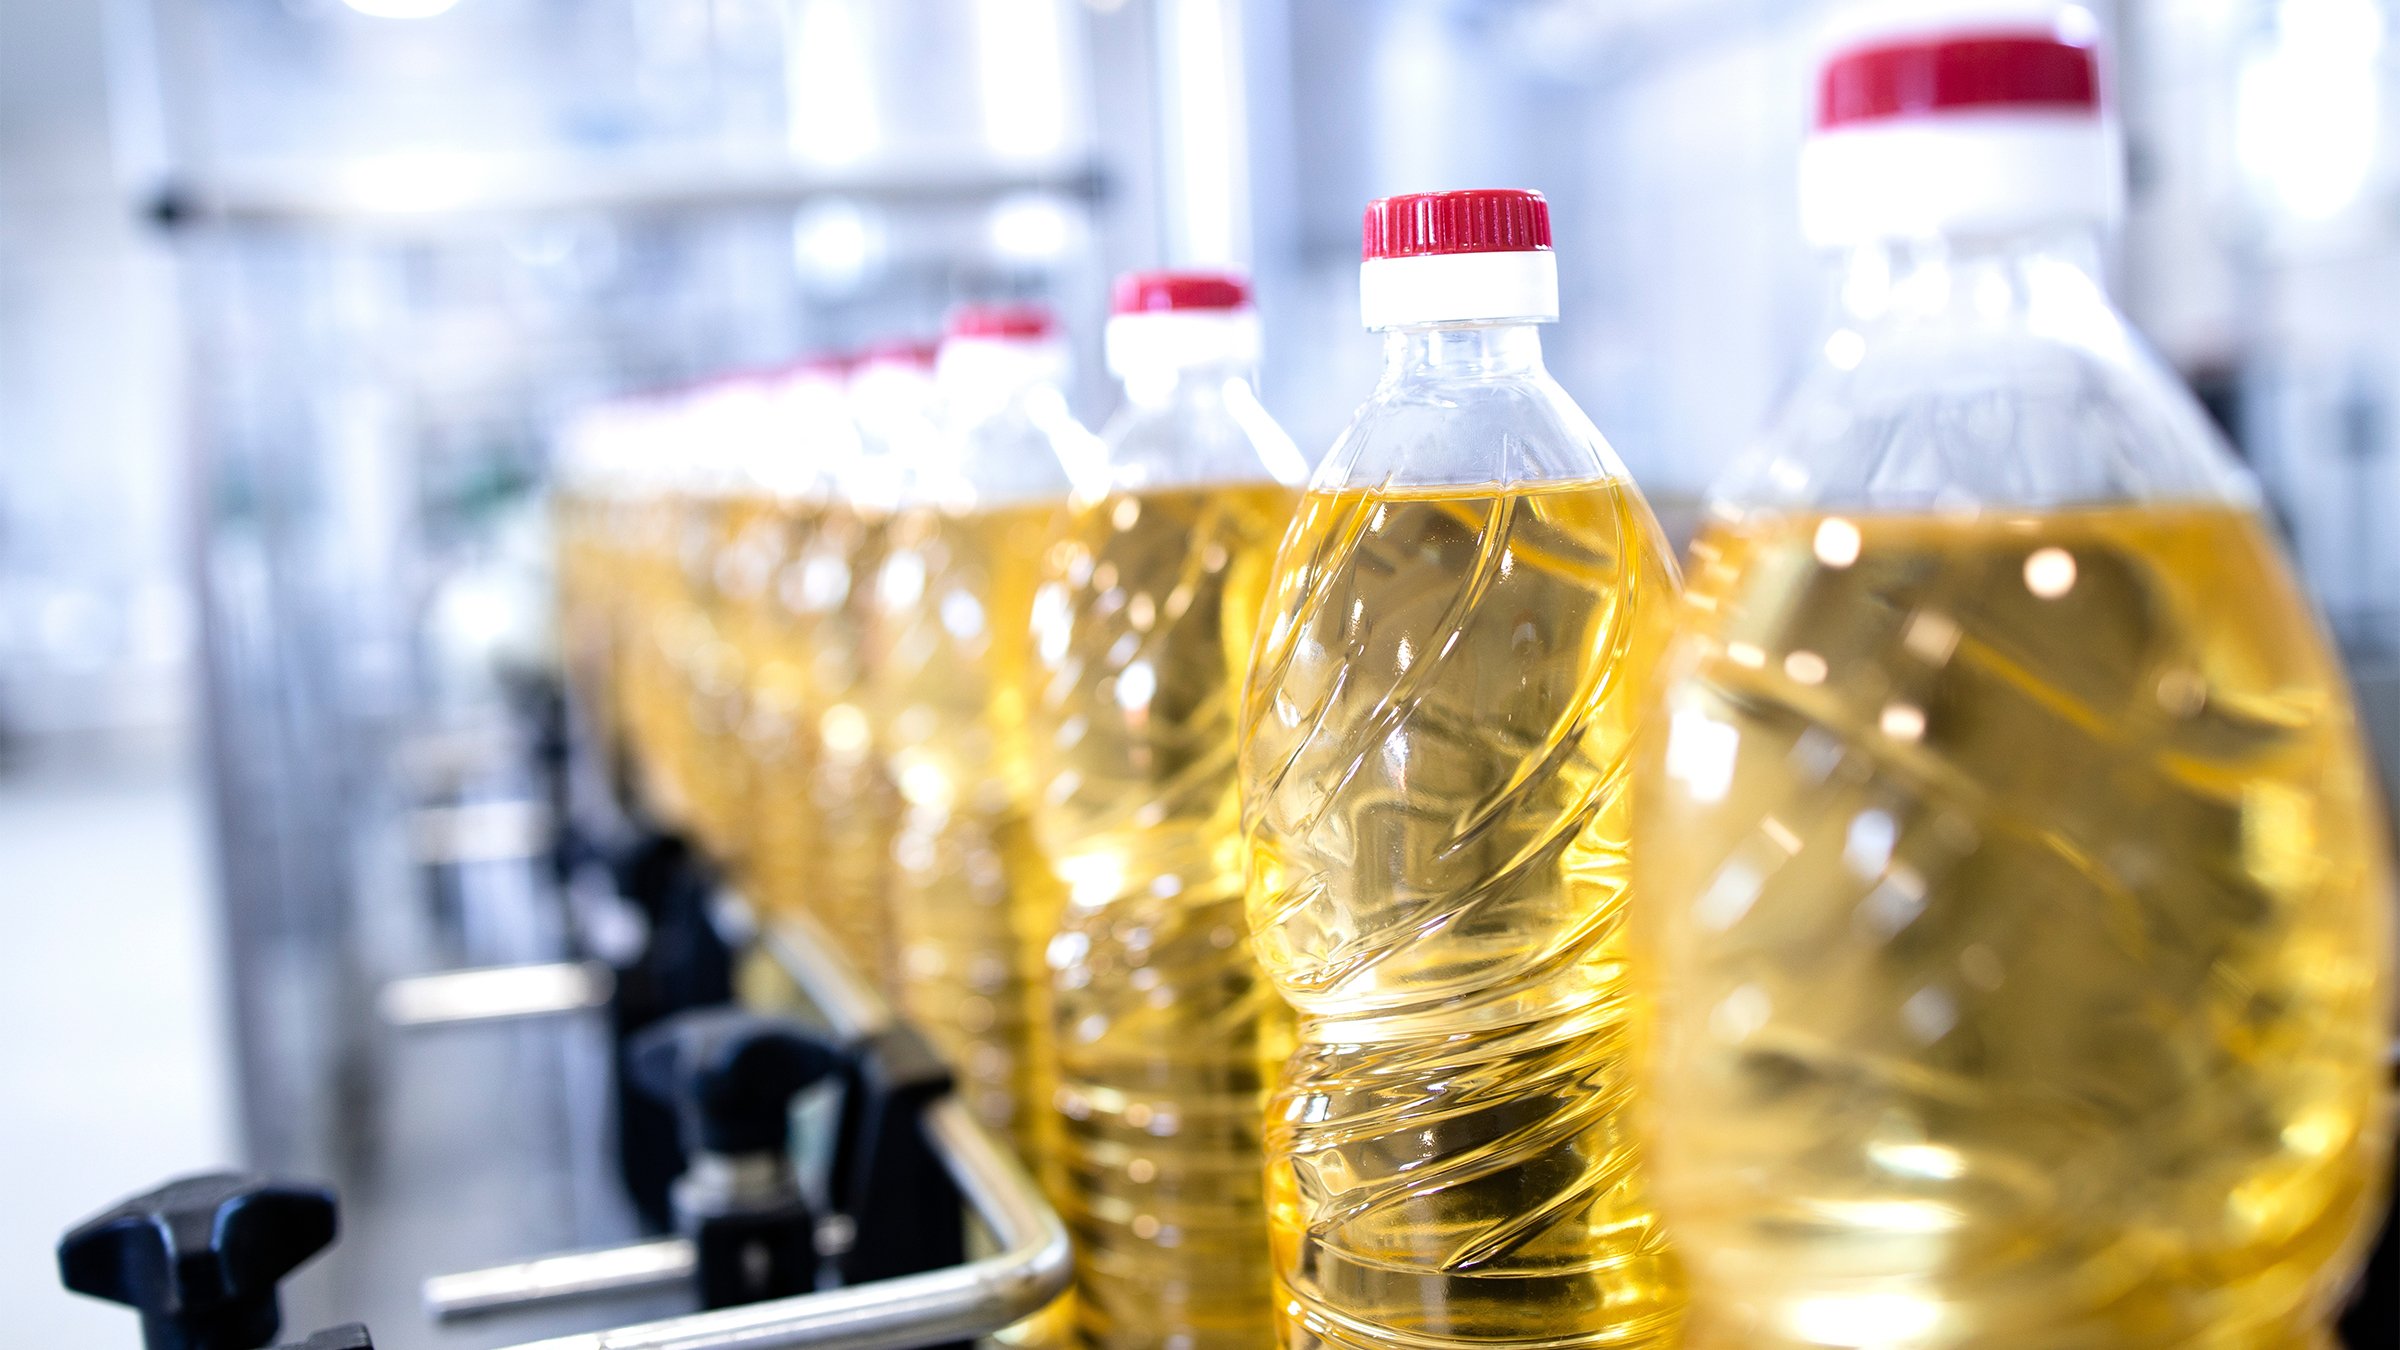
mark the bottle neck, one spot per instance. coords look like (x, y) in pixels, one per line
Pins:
(981, 379)
(1479, 351)
(1194, 385)
(2019, 278)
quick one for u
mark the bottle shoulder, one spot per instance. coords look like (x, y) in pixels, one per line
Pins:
(1517, 429)
(1229, 439)
(1029, 447)
(2060, 410)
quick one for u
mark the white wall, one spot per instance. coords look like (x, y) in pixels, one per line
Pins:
(92, 615)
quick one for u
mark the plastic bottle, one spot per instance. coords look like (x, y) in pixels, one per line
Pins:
(778, 626)
(588, 490)
(827, 590)
(759, 442)
(2016, 886)
(1143, 626)
(692, 692)
(625, 576)
(643, 691)
(1437, 733)
(971, 900)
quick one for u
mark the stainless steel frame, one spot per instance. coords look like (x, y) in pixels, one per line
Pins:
(964, 1301)
(461, 191)
(562, 1278)
(960, 1303)
(495, 994)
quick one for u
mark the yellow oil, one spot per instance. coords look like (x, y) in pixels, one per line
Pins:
(1144, 627)
(2021, 915)
(662, 628)
(593, 567)
(970, 897)
(832, 803)
(727, 550)
(772, 817)
(1437, 736)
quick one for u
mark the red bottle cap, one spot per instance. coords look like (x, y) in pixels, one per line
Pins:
(1487, 220)
(1957, 72)
(1005, 323)
(1167, 291)
(900, 352)
(832, 365)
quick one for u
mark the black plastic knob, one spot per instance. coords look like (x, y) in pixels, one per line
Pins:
(731, 1076)
(886, 1176)
(200, 1258)
(653, 869)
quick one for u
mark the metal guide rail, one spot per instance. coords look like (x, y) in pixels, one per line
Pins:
(449, 195)
(959, 1303)
(981, 1296)
(888, 1298)
(232, 1238)
(707, 1095)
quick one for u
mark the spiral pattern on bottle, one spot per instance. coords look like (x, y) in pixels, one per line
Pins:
(1144, 626)
(2022, 926)
(970, 897)
(1435, 757)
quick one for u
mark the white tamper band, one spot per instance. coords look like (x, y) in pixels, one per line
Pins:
(1177, 338)
(1458, 288)
(1958, 173)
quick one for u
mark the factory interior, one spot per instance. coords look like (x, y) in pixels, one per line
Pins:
(556, 565)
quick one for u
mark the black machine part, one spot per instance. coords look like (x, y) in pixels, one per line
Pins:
(887, 1177)
(731, 1077)
(201, 1258)
(684, 963)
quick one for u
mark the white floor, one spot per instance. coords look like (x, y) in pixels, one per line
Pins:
(112, 1058)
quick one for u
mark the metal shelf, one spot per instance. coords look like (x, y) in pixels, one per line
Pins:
(437, 194)
(937, 1307)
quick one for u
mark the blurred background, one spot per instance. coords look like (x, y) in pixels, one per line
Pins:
(294, 295)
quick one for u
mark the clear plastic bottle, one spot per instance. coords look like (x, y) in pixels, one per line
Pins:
(777, 629)
(1143, 625)
(841, 862)
(761, 440)
(605, 484)
(589, 492)
(690, 773)
(971, 899)
(642, 688)
(2009, 864)
(1436, 738)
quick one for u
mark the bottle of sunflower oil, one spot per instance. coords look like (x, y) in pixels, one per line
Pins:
(631, 467)
(811, 439)
(831, 811)
(669, 635)
(972, 903)
(617, 490)
(654, 704)
(836, 633)
(583, 497)
(750, 432)
(1437, 728)
(1143, 627)
(685, 666)
(2009, 862)
(971, 900)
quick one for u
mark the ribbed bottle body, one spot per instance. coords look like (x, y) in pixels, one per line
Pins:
(1437, 760)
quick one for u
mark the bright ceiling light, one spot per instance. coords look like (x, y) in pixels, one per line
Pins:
(2308, 106)
(402, 9)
